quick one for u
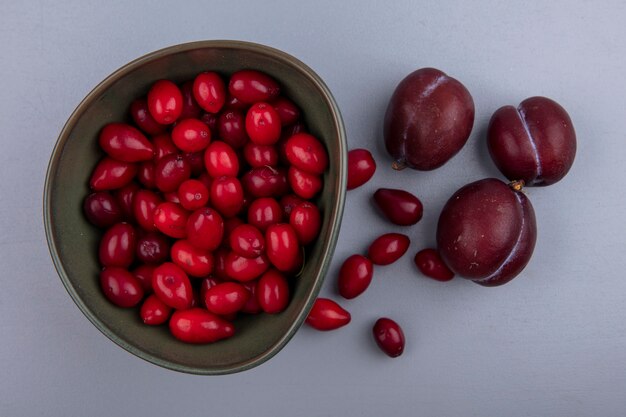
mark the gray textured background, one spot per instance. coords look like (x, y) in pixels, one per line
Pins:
(551, 343)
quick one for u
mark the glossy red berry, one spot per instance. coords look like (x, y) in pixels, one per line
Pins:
(199, 326)
(250, 86)
(171, 284)
(191, 109)
(165, 102)
(388, 248)
(389, 337)
(306, 220)
(246, 240)
(263, 124)
(221, 160)
(193, 194)
(304, 184)
(400, 207)
(258, 156)
(264, 212)
(120, 287)
(240, 268)
(209, 91)
(205, 229)
(143, 274)
(125, 143)
(272, 292)
(152, 248)
(327, 315)
(170, 171)
(102, 209)
(117, 246)
(282, 246)
(154, 312)
(265, 182)
(430, 264)
(226, 298)
(191, 135)
(355, 276)
(171, 220)
(307, 153)
(231, 126)
(226, 196)
(143, 119)
(194, 261)
(361, 167)
(287, 110)
(144, 204)
(110, 174)
(163, 146)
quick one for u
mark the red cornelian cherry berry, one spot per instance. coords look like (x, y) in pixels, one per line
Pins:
(120, 287)
(246, 240)
(250, 86)
(226, 298)
(307, 153)
(143, 119)
(143, 273)
(194, 261)
(361, 167)
(287, 110)
(389, 337)
(165, 102)
(125, 197)
(288, 203)
(125, 143)
(193, 194)
(264, 212)
(399, 206)
(258, 156)
(303, 184)
(171, 284)
(102, 209)
(152, 248)
(430, 264)
(199, 326)
(263, 124)
(191, 135)
(146, 176)
(209, 91)
(231, 126)
(171, 220)
(306, 221)
(226, 196)
(154, 312)
(205, 229)
(117, 246)
(282, 246)
(163, 146)
(355, 276)
(110, 174)
(272, 292)
(265, 181)
(191, 109)
(170, 171)
(327, 315)
(196, 162)
(252, 306)
(221, 160)
(240, 268)
(144, 204)
(388, 248)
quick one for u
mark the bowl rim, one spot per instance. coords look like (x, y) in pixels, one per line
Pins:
(335, 222)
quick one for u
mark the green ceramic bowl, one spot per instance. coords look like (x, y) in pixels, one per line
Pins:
(73, 241)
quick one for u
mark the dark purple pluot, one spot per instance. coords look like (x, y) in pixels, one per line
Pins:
(487, 232)
(428, 120)
(102, 209)
(399, 206)
(534, 142)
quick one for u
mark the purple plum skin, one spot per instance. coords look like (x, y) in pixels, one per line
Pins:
(428, 120)
(534, 142)
(487, 232)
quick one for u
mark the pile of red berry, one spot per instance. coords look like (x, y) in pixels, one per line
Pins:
(206, 202)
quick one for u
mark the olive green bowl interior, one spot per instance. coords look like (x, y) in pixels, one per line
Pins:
(73, 241)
